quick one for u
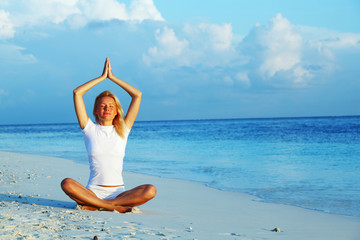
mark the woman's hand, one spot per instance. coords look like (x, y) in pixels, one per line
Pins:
(105, 73)
(110, 73)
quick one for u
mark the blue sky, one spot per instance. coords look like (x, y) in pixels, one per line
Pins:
(191, 59)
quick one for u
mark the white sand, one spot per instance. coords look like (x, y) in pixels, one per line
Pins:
(32, 206)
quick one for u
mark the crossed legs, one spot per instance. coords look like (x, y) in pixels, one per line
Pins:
(122, 203)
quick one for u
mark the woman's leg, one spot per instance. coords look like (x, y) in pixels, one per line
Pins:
(84, 196)
(135, 197)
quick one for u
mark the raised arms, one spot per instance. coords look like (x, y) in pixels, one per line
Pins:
(79, 92)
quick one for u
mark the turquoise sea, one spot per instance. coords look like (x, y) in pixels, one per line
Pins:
(310, 162)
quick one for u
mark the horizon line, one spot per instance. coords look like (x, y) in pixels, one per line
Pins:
(199, 119)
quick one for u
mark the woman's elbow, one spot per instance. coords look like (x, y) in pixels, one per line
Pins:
(139, 94)
(76, 92)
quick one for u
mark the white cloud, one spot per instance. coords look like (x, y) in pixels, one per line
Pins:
(273, 51)
(281, 44)
(201, 44)
(284, 55)
(213, 36)
(276, 53)
(240, 79)
(38, 12)
(243, 79)
(326, 38)
(169, 48)
(211, 45)
(103, 10)
(14, 54)
(6, 26)
(140, 10)
(77, 13)
(346, 40)
(228, 80)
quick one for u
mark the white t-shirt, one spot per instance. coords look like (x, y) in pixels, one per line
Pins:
(106, 151)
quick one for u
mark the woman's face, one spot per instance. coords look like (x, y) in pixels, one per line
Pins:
(106, 109)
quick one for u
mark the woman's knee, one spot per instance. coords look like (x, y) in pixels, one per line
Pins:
(67, 184)
(150, 191)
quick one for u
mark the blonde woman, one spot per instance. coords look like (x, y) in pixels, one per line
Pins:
(105, 143)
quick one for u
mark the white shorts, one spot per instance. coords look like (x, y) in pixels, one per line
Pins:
(106, 193)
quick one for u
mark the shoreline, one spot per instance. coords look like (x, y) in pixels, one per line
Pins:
(260, 199)
(33, 206)
(256, 198)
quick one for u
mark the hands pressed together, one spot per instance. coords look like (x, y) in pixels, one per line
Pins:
(107, 72)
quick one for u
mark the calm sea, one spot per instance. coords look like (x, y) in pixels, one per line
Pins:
(308, 162)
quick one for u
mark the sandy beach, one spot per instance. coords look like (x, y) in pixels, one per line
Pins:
(32, 206)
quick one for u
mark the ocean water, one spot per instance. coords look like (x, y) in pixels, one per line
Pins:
(313, 163)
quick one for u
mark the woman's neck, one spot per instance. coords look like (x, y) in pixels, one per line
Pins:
(105, 123)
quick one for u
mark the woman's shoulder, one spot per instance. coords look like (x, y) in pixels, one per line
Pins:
(90, 124)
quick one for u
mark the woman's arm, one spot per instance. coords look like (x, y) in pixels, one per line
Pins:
(79, 92)
(135, 97)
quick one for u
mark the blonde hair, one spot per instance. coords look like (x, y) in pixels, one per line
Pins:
(118, 122)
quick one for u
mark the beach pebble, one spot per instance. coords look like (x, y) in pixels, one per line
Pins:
(42, 225)
(136, 210)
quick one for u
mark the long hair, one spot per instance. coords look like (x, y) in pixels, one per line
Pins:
(118, 122)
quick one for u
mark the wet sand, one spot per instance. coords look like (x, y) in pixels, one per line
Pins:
(32, 206)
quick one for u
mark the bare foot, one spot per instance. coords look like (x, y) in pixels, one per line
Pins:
(119, 209)
(122, 209)
(89, 208)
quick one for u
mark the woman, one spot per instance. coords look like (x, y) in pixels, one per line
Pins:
(105, 143)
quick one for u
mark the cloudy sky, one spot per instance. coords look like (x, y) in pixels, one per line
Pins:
(198, 59)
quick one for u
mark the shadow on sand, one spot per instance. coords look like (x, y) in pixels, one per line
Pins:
(32, 200)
